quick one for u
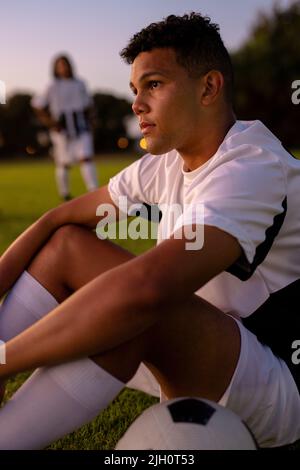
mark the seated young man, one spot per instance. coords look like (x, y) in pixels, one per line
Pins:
(169, 317)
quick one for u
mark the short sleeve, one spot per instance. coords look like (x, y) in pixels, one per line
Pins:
(41, 101)
(86, 96)
(245, 197)
(139, 182)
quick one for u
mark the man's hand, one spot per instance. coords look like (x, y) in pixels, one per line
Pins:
(55, 126)
(47, 120)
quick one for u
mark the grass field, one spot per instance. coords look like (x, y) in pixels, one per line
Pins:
(26, 191)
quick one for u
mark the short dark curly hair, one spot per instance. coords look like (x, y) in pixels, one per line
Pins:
(196, 41)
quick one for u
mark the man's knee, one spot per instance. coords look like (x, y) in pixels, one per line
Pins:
(65, 239)
(123, 361)
(57, 249)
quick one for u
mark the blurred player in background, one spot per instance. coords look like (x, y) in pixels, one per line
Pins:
(65, 108)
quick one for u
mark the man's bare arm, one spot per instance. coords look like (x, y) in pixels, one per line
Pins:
(121, 303)
(46, 119)
(81, 210)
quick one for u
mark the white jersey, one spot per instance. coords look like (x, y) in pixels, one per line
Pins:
(67, 98)
(63, 95)
(250, 189)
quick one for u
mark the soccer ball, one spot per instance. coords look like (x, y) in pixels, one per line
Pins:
(187, 424)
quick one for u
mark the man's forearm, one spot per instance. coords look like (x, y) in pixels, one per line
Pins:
(46, 119)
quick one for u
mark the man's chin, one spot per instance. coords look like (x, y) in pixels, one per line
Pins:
(157, 148)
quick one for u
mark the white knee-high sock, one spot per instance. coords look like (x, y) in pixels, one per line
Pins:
(55, 401)
(62, 180)
(27, 302)
(89, 175)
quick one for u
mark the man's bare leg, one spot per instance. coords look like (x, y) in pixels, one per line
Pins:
(77, 390)
(191, 353)
(89, 173)
(190, 356)
(180, 368)
(191, 340)
(73, 257)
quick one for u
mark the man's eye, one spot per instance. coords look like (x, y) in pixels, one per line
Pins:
(154, 84)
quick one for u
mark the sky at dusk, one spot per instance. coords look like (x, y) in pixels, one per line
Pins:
(93, 32)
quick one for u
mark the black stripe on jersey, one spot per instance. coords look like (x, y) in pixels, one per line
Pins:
(75, 120)
(242, 269)
(80, 122)
(154, 214)
(276, 323)
(62, 121)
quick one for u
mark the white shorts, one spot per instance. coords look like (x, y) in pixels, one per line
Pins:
(262, 392)
(67, 151)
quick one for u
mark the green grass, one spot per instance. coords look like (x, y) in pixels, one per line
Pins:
(27, 190)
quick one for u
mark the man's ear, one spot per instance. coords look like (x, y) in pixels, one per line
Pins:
(212, 86)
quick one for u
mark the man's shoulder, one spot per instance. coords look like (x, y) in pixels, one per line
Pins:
(79, 82)
(53, 87)
(253, 142)
(250, 133)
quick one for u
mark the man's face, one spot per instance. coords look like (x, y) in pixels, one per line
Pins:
(62, 69)
(166, 103)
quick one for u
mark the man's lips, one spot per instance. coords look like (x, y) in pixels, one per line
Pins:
(146, 126)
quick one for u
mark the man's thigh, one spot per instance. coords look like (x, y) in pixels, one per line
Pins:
(83, 147)
(61, 149)
(89, 256)
(193, 350)
(73, 257)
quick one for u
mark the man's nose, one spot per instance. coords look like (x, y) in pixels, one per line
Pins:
(139, 106)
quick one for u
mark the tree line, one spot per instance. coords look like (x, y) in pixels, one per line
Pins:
(266, 67)
(21, 131)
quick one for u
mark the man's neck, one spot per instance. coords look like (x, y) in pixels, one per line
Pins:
(212, 137)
